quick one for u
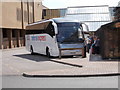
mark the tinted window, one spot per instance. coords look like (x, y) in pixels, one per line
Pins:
(68, 32)
(46, 27)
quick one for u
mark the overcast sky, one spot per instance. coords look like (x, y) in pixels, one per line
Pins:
(52, 4)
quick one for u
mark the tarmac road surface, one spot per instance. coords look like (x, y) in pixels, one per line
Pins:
(18, 60)
(91, 82)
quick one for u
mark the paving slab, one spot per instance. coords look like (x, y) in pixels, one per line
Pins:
(87, 67)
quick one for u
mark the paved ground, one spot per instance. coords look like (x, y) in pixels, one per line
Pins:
(88, 67)
(16, 61)
(89, 82)
(19, 61)
(92, 65)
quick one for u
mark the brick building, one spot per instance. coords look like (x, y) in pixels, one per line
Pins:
(53, 13)
(109, 35)
(13, 19)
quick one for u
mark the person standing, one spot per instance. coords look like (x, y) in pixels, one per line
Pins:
(96, 46)
(89, 43)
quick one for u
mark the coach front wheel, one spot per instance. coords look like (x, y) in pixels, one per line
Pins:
(47, 52)
(31, 50)
(84, 52)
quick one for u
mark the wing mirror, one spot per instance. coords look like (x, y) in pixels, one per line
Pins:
(55, 27)
(81, 40)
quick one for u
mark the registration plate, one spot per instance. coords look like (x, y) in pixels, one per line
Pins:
(75, 52)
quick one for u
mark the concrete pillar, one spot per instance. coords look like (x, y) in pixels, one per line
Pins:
(9, 33)
(1, 38)
(23, 35)
(18, 37)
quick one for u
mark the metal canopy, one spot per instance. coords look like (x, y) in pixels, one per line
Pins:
(93, 16)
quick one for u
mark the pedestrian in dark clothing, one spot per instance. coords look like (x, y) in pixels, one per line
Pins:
(96, 46)
(88, 41)
(92, 39)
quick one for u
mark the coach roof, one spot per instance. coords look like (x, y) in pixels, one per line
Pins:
(58, 20)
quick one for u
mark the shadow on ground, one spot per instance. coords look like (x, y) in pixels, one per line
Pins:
(40, 58)
(36, 57)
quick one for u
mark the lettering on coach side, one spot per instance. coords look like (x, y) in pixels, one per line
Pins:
(38, 38)
(42, 38)
(34, 38)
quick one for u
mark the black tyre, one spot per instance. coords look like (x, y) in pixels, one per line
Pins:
(84, 52)
(47, 53)
(31, 50)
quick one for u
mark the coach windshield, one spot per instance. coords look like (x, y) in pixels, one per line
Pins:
(68, 32)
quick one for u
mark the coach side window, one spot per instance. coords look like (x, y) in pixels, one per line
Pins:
(50, 29)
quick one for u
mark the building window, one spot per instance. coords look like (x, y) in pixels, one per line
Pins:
(44, 12)
(4, 33)
(25, 16)
(30, 17)
(21, 33)
(19, 14)
(13, 33)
